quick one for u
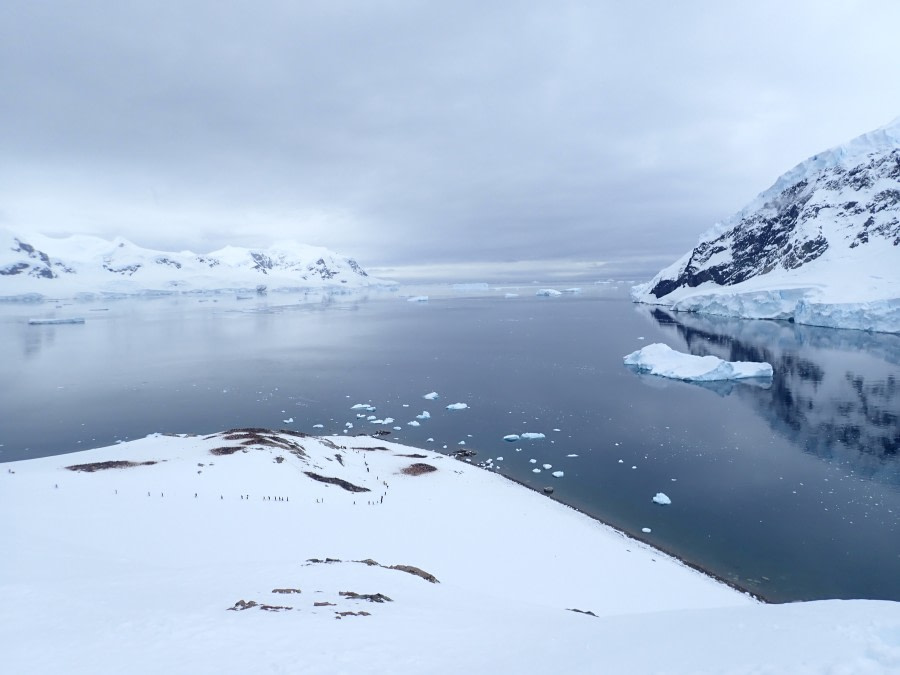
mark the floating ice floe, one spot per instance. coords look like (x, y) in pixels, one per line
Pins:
(646, 530)
(433, 395)
(424, 415)
(512, 438)
(413, 424)
(548, 292)
(457, 406)
(660, 359)
(418, 298)
(317, 426)
(288, 420)
(533, 461)
(535, 471)
(53, 322)
(360, 406)
(559, 474)
(548, 466)
(572, 455)
(533, 436)
(661, 498)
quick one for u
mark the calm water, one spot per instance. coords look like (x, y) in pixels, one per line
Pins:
(791, 490)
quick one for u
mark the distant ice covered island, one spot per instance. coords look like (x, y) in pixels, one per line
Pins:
(820, 247)
(260, 551)
(39, 267)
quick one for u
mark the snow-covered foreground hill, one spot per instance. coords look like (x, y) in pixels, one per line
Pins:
(821, 246)
(255, 551)
(36, 266)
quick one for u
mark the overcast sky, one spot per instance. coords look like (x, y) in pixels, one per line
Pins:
(426, 132)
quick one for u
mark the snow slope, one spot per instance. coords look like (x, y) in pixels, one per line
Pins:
(821, 246)
(39, 266)
(134, 569)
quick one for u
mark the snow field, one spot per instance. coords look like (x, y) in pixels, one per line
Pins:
(93, 555)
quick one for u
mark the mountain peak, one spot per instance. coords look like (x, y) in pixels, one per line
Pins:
(64, 267)
(826, 231)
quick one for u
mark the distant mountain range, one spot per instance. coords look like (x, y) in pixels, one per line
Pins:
(821, 246)
(38, 266)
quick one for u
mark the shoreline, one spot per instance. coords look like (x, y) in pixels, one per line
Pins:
(687, 563)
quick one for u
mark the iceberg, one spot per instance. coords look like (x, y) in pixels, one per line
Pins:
(660, 359)
(548, 292)
(533, 436)
(661, 498)
(433, 395)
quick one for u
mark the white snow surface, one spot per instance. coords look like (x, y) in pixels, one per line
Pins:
(660, 359)
(134, 570)
(38, 267)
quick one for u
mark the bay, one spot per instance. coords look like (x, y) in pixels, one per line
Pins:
(788, 488)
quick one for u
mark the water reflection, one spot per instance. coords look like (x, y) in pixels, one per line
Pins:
(834, 392)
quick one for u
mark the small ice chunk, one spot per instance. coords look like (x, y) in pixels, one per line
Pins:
(424, 415)
(572, 455)
(621, 461)
(433, 395)
(457, 406)
(646, 530)
(559, 474)
(547, 466)
(359, 406)
(512, 438)
(535, 471)
(388, 420)
(413, 424)
(548, 292)
(418, 298)
(317, 426)
(499, 459)
(557, 430)
(429, 440)
(661, 498)
(288, 420)
(349, 425)
(532, 436)
(371, 418)
(53, 322)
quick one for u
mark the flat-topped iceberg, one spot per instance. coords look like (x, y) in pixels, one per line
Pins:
(662, 360)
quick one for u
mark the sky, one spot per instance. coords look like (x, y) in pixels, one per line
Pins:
(426, 133)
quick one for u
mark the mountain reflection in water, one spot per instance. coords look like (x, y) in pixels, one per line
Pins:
(834, 393)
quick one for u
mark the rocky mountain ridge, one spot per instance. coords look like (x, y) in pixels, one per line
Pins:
(55, 267)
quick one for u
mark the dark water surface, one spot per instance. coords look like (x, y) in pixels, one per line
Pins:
(790, 489)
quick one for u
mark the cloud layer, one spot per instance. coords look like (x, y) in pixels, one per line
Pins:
(411, 132)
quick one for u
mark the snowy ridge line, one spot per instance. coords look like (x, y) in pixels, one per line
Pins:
(667, 551)
(36, 266)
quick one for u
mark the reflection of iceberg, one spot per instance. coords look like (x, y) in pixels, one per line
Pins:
(721, 388)
(834, 393)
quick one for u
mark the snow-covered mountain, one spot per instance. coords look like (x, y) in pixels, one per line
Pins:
(37, 265)
(821, 246)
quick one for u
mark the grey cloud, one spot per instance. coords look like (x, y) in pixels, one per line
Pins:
(435, 132)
